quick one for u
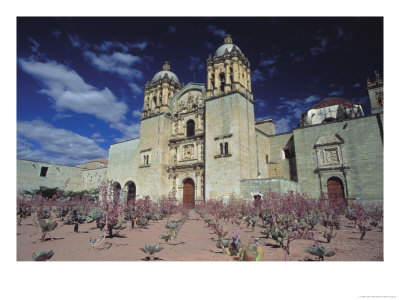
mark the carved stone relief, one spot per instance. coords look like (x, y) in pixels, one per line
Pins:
(188, 152)
(331, 156)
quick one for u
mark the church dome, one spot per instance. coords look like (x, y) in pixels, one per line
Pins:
(333, 101)
(166, 71)
(228, 45)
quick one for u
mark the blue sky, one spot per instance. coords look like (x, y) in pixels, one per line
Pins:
(80, 81)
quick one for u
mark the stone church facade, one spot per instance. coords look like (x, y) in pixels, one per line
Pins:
(201, 141)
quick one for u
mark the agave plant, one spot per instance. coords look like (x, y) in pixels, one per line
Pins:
(167, 236)
(223, 244)
(95, 215)
(320, 251)
(279, 235)
(142, 222)
(251, 221)
(75, 219)
(363, 229)
(46, 226)
(42, 255)
(151, 249)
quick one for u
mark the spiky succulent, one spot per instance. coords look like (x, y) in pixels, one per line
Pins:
(320, 251)
(222, 244)
(95, 215)
(42, 255)
(279, 235)
(151, 249)
(166, 237)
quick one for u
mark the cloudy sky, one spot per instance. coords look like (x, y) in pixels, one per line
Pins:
(80, 80)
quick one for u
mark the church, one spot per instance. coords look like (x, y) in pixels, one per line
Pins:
(201, 141)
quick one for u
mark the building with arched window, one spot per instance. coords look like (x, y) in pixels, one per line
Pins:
(201, 141)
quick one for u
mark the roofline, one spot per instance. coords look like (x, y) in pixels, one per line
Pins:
(125, 141)
(43, 162)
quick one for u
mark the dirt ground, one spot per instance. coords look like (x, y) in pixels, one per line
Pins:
(195, 242)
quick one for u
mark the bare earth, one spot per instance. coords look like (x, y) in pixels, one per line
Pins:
(195, 242)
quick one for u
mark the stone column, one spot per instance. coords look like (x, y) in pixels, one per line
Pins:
(158, 95)
(227, 76)
(235, 74)
(216, 82)
(165, 93)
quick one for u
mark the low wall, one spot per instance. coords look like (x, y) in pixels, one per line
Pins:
(265, 185)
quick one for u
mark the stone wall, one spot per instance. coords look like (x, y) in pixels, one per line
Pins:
(91, 179)
(265, 185)
(229, 119)
(263, 154)
(28, 176)
(358, 162)
(279, 165)
(123, 162)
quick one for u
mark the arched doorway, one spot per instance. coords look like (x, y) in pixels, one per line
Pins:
(116, 191)
(188, 193)
(335, 189)
(130, 189)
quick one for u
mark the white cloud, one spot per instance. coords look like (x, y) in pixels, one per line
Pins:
(356, 85)
(75, 41)
(97, 137)
(283, 125)
(59, 116)
(137, 113)
(129, 131)
(216, 31)
(312, 98)
(69, 91)
(195, 63)
(257, 76)
(35, 45)
(259, 103)
(336, 93)
(56, 145)
(267, 62)
(136, 89)
(57, 33)
(322, 47)
(117, 62)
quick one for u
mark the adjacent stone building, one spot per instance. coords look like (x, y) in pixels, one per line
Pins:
(201, 141)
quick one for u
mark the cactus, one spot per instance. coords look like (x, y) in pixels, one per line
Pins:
(279, 235)
(151, 249)
(46, 226)
(223, 244)
(42, 255)
(251, 252)
(320, 251)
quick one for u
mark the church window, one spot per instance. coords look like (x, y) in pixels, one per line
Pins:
(380, 99)
(222, 80)
(266, 159)
(43, 171)
(286, 153)
(221, 148)
(190, 128)
(226, 148)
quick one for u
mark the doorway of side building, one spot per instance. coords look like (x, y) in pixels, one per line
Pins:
(188, 193)
(130, 189)
(335, 189)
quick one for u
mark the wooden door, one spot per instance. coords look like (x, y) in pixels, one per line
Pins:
(188, 193)
(335, 189)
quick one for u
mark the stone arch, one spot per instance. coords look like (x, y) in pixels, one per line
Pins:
(335, 188)
(189, 189)
(130, 190)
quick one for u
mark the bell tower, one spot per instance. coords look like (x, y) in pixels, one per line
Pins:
(375, 93)
(228, 70)
(230, 139)
(163, 86)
